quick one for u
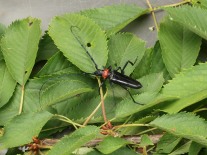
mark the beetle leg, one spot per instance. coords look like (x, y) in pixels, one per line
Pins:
(131, 95)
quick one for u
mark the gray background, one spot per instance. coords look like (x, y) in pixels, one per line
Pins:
(11, 10)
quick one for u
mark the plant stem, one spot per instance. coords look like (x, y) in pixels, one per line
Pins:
(172, 5)
(21, 100)
(102, 101)
(94, 111)
(152, 10)
(145, 131)
(153, 14)
(65, 119)
(129, 125)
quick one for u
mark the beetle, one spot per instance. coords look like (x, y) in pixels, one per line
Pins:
(112, 75)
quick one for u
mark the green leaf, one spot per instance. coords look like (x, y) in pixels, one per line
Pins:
(31, 100)
(73, 33)
(191, 18)
(180, 47)
(163, 144)
(2, 31)
(113, 18)
(22, 128)
(88, 102)
(19, 47)
(195, 148)
(111, 144)
(7, 84)
(57, 64)
(46, 49)
(152, 82)
(121, 151)
(143, 67)
(182, 149)
(125, 47)
(63, 87)
(185, 125)
(203, 3)
(152, 62)
(190, 86)
(145, 141)
(70, 143)
(157, 65)
(127, 107)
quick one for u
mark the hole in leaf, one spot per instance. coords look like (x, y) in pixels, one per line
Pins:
(30, 23)
(25, 72)
(88, 44)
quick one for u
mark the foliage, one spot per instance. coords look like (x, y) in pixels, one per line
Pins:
(63, 93)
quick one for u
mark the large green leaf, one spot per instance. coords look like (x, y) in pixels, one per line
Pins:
(152, 62)
(22, 128)
(31, 100)
(111, 144)
(63, 87)
(46, 49)
(125, 47)
(190, 17)
(74, 34)
(127, 107)
(143, 67)
(185, 125)
(149, 84)
(2, 31)
(121, 151)
(114, 18)
(70, 143)
(157, 65)
(180, 46)
(7, 84)
(19, 47)
(190, 85)
(88, 103)
(57, 64)
(163, 144)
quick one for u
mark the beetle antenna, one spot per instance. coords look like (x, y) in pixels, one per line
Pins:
(79, 41)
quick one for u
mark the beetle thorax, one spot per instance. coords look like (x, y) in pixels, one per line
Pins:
(105, 73)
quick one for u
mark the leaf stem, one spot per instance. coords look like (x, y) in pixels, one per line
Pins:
(129, 125)
(21, 100)
(102, 101)
(199, 110)
(152, 10)
(145, 131)
(153, 14)
(65, 119)
(94, 111)
(172, 5)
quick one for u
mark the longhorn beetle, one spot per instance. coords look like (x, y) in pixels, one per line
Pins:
(113, 75)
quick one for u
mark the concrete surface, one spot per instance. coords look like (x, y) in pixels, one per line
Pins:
(11, 10)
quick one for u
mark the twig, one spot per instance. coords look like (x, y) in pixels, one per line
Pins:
(133, 139)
